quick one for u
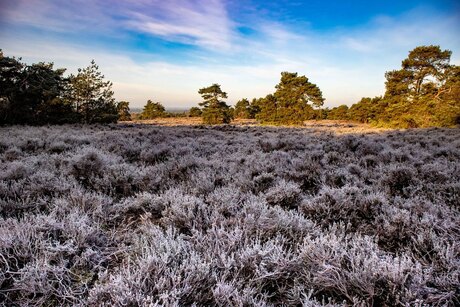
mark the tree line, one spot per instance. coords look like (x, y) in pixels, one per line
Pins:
(424, 92)
(40, 94)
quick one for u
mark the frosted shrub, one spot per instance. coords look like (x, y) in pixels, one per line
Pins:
(132, 209)
(155, 154)
(262, 182)
(58, 147)
(347, 204)
(12, 154)
(14, 171)
(399, 181)
(143, 215)
(87, 165)
(284, 194)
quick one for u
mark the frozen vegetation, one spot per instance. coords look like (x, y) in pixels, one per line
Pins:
(228, 216)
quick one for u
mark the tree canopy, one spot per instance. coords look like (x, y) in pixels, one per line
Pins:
(123, 111)
(39, 94)
(292, 102)
(425, 92)
(242, 109)
(33, 94)
(92, 96)
(215, 109)
(195, 112)
(153, 110)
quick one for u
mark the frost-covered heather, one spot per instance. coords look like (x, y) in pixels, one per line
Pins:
(228, 216)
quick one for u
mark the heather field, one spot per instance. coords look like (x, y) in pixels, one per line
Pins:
(232, 215)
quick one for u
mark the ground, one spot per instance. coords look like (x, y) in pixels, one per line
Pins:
(330, 213)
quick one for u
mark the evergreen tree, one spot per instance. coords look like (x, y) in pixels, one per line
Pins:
(215, 110)
(242, 109)
(338, 113)
(268, 109)
(254, 108)
(195, 112)
(92, 96)
(123, 111)
(290, 103)
(10, 76)
(367, 110)
(153, 110)
(415, 93)
(32, 94)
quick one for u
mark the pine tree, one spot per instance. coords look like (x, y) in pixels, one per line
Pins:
(195, 112)
(290, 104)
(152, 110)
(123, 111)
(32, 94)
(92, 96)
(242, 109)
(215, 110)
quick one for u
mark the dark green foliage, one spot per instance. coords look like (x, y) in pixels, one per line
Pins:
(254, 107)
(11, 74)
(246, 109)
(338, 113)
(242, 109)
(152, 110)
(38, 94)
(425, 92)
(123, 111)
(290, 103)
(367, 110)
(215, 110)
(33, 94)
(268, 109)
(195, 112)
(92, 96)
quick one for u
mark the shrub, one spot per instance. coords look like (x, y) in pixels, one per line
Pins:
(284, 194)
(225, 215)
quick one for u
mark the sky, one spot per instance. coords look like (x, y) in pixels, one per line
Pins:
(165, 50)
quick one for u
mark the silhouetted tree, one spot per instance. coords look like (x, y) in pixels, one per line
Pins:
(32, 94)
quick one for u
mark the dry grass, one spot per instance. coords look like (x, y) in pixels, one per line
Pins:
(332, 126)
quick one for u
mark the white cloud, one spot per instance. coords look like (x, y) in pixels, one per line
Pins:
(345, 65)
(204, 23)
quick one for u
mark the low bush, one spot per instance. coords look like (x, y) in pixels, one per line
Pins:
(228, 216)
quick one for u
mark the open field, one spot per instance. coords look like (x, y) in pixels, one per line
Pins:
(236, 215)
(330, 126)
(185, 121)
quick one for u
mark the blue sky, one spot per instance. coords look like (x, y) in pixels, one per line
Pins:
(167, 50)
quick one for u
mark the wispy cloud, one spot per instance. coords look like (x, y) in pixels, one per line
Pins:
(346, 63)
(202, 23)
